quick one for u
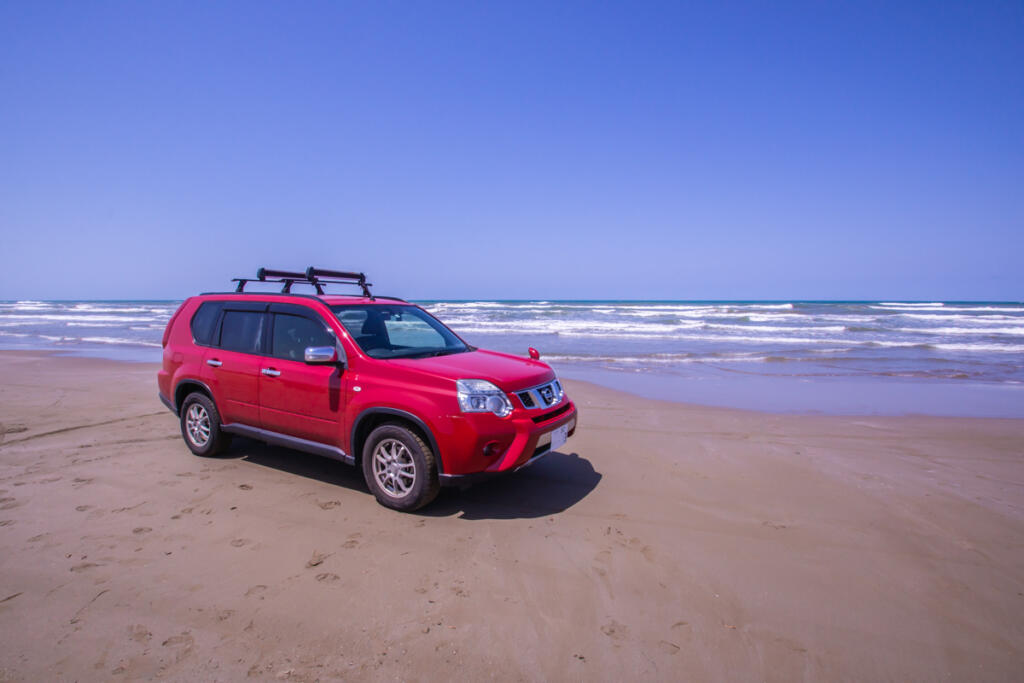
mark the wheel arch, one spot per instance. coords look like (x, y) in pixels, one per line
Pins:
(370, 418)
(186, 387)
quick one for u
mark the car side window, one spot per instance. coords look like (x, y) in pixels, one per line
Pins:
(204, 320)
(242, 331)
(293, 334)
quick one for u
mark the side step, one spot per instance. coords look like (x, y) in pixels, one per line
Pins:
(278, 439)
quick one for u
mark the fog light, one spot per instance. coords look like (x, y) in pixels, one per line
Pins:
(491, 449)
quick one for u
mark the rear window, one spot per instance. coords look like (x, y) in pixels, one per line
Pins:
(204, 320)
(242, 331)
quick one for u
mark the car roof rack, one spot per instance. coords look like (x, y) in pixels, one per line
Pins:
(316, 277)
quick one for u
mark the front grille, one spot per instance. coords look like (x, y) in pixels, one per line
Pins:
(552, 415)
(542, 396)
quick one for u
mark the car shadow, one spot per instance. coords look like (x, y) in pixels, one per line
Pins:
(552, 485)
(296, 462)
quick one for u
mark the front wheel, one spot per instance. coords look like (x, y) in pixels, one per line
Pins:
(400, 468)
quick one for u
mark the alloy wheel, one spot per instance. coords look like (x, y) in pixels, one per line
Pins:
(394, 468)
(197, 423)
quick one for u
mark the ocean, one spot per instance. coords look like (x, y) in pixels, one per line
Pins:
(895, 357)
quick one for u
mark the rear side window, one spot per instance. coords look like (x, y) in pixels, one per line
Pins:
(242, 331)
(204, 320)
(293, 333)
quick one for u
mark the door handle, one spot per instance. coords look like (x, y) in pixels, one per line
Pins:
(214, 362)
(270, 372)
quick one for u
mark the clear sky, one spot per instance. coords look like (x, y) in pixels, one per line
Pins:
(515, 150)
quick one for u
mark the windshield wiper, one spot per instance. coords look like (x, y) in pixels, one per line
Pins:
(428, 354)
(448, 352)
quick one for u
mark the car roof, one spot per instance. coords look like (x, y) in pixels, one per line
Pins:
(337, 300)
(328, 299)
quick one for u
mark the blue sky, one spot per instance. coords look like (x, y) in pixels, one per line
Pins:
(515, 150)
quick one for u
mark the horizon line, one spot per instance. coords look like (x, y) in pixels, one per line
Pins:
(550, 300)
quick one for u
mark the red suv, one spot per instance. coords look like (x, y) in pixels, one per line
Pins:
(369, 380)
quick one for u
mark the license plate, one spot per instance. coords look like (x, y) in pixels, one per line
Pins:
(559, 436)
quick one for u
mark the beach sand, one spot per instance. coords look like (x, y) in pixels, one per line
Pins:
(664, 542)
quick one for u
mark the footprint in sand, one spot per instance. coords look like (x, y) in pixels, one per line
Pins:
(81, 481)
(182, 644)
(139, 633)
(316, 560)
(8, 503)
(245, 487)
(6, 522)
(255, 590)
(239, 542)
(667, 647)
(141, 530)
(615, 630)
(11, 429)
(83, 508)
(329, 504)
(353, 540)
(225, 614)
(83, 566)
(327, 577)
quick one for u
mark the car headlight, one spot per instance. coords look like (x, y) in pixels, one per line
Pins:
(481, 396)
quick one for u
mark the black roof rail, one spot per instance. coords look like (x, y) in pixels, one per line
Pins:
(316, 277)
(337, 277)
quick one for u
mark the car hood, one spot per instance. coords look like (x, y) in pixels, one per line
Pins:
(508, 372)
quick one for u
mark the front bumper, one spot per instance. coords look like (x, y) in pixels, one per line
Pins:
(518, 442)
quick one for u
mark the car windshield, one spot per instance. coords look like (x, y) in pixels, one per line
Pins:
(397, 331)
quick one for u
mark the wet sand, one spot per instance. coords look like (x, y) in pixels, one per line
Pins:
(664, 542)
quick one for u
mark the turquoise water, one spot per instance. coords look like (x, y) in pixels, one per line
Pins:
(950, 358)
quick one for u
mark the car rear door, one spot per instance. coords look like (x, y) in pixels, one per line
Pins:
(232, 363)
(306, 401)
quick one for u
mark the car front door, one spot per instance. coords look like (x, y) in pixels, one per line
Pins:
(298, 399)
(232, 364)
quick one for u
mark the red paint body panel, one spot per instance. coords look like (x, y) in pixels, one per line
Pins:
(307, 401)
(324, 403)
(235, 384)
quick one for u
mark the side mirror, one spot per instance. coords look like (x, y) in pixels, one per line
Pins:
(321, 355)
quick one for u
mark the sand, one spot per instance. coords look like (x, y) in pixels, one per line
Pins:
(663, 542)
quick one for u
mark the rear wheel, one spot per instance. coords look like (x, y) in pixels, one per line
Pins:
(200, 426)
(400, 468)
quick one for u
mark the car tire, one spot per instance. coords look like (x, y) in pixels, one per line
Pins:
(200, 426)
(400, 468)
